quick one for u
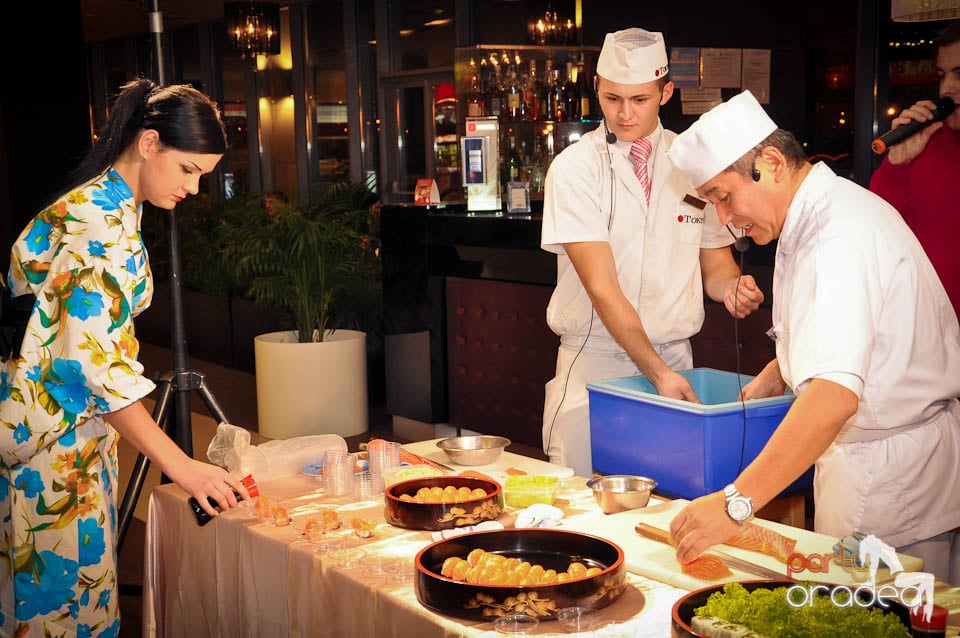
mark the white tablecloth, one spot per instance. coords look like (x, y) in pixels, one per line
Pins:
(239, 577)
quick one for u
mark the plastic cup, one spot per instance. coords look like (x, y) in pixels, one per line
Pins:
(338, 473)
(365, 489)
(385, 454)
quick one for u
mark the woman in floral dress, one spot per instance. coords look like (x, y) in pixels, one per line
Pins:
(76, 385)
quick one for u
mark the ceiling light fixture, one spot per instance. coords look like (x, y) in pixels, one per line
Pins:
(253, 28)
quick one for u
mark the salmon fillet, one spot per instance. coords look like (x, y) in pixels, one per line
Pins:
(706, 567)
(766, 541)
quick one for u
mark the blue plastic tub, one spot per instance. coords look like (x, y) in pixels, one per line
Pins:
(689, 449)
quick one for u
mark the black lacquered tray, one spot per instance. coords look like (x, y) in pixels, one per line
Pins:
(551, 548)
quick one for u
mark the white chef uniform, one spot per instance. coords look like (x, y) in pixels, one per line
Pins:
(592, 194)
(848, 280)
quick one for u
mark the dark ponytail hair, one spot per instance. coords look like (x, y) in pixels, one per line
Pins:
(185, 119)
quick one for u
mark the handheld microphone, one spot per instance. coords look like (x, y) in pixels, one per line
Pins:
(611, 137)
(944, 108)
(741, 243)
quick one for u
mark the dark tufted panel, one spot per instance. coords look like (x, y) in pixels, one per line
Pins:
(713, 346)
(500, 355)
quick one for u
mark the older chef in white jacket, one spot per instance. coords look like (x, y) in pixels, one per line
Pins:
(866, 338)
(632, 263)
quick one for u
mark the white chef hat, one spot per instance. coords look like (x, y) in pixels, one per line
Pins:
(720, 137)
(633, 56)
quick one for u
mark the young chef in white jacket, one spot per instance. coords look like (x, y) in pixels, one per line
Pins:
(630, 271)
(866, 338)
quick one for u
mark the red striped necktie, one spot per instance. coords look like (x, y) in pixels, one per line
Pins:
(640, 152)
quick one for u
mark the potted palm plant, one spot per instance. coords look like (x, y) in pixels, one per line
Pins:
(318, 264)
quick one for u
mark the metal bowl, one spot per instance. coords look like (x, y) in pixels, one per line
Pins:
(474, 450)
(621, 492)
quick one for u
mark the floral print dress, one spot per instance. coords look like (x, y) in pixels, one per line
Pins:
(83, 259)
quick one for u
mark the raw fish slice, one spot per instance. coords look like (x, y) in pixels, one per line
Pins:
(766, 541)
(706, 567)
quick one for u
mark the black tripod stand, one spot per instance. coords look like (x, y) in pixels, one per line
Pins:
(175, 385)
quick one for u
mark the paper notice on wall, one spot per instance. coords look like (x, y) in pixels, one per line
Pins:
(755, 74)
(685, 67)
(697, 101)
(719, 68)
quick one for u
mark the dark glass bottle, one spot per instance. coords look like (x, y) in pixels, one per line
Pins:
(585, 91)
(201, 515)
(571, 96)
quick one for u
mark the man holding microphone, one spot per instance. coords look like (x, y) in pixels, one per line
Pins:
(919, 174)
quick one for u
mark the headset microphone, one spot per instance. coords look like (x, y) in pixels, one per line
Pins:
(611, 137)
(742, 243)
(755, 174)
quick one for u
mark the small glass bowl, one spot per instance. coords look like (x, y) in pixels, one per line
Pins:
(399, 570)
(516, 624)
(346, 558)
(576, 619)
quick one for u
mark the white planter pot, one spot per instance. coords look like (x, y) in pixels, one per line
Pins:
(311, 388)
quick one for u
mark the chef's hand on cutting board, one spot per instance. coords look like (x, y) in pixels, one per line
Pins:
(701, 525)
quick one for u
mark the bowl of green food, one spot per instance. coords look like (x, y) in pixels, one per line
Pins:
(787, 609)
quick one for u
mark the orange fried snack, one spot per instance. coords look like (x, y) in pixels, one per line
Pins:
(362, 527)
(489, 568)
(448, 494)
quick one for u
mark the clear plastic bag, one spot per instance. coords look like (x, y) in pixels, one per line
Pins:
(231, 448)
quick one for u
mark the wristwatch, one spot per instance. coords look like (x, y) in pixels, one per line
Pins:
(738, 506)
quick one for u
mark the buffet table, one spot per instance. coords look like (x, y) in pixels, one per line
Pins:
(238, 576)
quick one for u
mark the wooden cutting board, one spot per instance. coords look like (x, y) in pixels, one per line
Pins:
(657, 560)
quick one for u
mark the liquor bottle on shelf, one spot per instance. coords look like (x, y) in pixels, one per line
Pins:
(558, 104)
(475, 101)
(531, 93)
(495, 106)
(546, 89)
(571, 97)
(538, 165)
(514, 96)
(513, 161)
(585, 91)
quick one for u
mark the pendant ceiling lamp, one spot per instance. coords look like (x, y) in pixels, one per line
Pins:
(253, 28)
(924, 10)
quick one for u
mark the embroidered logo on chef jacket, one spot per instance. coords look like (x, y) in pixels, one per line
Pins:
(697, 203)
